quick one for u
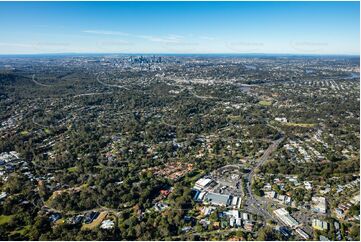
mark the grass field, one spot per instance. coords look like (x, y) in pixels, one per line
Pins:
(24, 133)
(5, 219)
(96, 222)
(265, 103)
(234, 118)
(73, 169)
(302, 125)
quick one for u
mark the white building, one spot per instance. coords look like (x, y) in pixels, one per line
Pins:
(107, 224)
(285, 217)
(283, 120)
(319, 204)
(303, 234)
(308, 185)
(3, 195)
(202, 183)
(239, 202)
(319, 224)
(234, 202)
(245, 216)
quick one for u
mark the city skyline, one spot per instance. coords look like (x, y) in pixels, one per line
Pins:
(180, 27)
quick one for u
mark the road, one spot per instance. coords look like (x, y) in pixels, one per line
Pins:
(251, 199)
(92, 94)
(253, 202)
(109, 85)
(219, 231)
(38, 83)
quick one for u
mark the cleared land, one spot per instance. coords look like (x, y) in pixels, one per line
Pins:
(96, 222)
(303, 125)
(5, 219)
(265, 103)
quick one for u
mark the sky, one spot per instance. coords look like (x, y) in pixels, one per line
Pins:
(180, 27)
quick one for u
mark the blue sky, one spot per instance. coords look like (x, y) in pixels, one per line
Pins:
(180, 27)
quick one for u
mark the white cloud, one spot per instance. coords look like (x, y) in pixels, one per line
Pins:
(16, 45)
(166, 39)
(170, 38)
(207, 38)
(105, 32)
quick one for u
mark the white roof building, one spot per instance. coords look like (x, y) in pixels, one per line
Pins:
(232, 221)
(245, 216)
(239, 222)
(319, 204)
(232, 213)
(234, 201)
(107, 224)
(3, 195)
(285, 217)
(239, 202)
(319, 224)
(308, 185)
(302, 233)
(202, 183)
(284, 120)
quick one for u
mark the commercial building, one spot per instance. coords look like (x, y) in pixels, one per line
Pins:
(202, 183)
(245, 216)
(319, 224)
(319, 205)
(217, 199)
(323, 238)
(285, 217)
(302, 233)
(232, 213)
(234, 202)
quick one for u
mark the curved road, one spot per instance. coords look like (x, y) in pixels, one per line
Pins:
(109, 85)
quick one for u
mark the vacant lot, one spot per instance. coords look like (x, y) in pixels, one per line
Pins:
(96, 222)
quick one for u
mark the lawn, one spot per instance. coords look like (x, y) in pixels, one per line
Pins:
(60, 222)
(265, 103)
(5, 219)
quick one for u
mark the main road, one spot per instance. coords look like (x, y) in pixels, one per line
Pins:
(251, 199)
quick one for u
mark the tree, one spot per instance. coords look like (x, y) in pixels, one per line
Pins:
(355, 232)
(266, 233)
(41, 225)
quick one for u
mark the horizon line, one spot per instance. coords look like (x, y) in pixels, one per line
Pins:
(176, 53)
